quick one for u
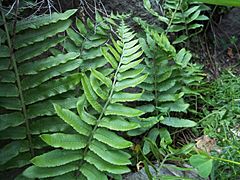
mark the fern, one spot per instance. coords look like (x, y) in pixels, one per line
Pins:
(93, 149)
(30, 83)
(164, 89)
(179, 16)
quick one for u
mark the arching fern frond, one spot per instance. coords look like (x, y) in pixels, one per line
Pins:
(101, 114)
(165, 87)
(30, 83)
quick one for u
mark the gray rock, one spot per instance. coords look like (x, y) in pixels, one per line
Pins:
(167, 170)
(229, 26)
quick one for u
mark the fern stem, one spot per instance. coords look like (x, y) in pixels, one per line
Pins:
(104, 107)
(173, 16)
(13, 59)
(155, 85)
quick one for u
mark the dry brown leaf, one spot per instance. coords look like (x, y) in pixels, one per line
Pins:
(230, 52)
(206, 143)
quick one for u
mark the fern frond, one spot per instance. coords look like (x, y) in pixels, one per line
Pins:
(31, 83)
(101, 113)
(164, 87)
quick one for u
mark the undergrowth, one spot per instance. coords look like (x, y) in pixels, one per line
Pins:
(220, 120)
(76, 93)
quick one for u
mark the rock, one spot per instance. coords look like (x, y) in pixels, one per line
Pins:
(167, 170)
(228, 27)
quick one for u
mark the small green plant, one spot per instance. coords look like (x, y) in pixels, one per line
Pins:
(220, 121)
(163, 152)
(171, 75)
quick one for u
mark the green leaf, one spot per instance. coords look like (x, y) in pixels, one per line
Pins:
(176, 28)
(177, 106)
(180, 39)
(81, 27)
(109, 57)
(146, 108)
(193, 16)
(128, 59)
(4, 52)
(65, 141)
(90, 95)
(101, 91)
(154, 149)
(10, 103)
(91, 54)
(118, 124)
(48, 125)
(5, 63)
(166, 85)
(202, 163)
(73, 120)
(12, 149)
(86, 117)
(43, 64)
(91, 172)
(111, 139)
(70, 46)
(125, 97)
(102, 78)
(32, 36)
(13, 133)
(114, 52)
(153, 134)
(56, 158)
(164, 97)
(8, 90)
(191, 10)
(116, 45)
(38, 21)
(164, 134)
(105, 166)
(52, 88)
(133, 64)
(88, 44)
(132, 53)
(202, 18)
(121, 110)
(46, 107)
(183, 57)
(41, 172)
(11, 120)
(7, 76)
(36, 49)
(177, 122)
(35, 80)
(19, 161)
(130, 44)
(116, 157)
(129, 74)
(194, 26)
(129, 82)
(69, 176)
(75, 37)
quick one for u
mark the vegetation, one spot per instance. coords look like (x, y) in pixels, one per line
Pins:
(84, 98)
